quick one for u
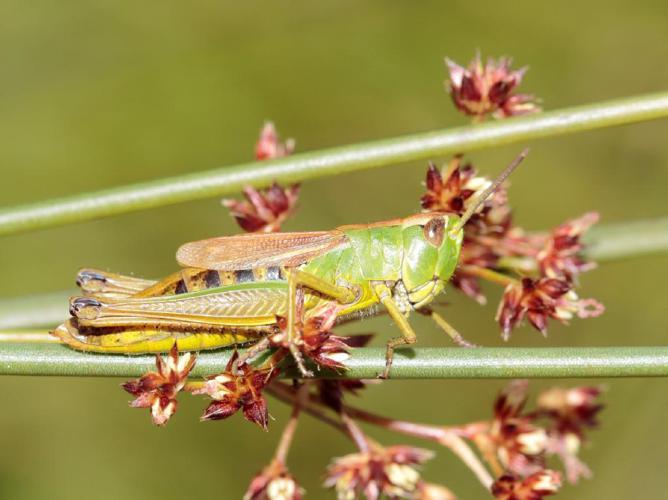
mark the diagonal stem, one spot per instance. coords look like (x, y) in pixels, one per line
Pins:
(442, 435)
(226, 180)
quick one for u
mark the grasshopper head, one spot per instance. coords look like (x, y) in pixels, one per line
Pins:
(431, 252)
(432, 243)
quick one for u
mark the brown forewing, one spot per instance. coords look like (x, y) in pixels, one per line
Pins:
(229, 253)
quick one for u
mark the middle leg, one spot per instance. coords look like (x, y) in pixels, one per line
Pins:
(297, 281)
(408, 335)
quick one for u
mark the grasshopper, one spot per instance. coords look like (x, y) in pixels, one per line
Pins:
(232, 288)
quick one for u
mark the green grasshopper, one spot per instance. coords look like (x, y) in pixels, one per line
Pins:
(232, 288)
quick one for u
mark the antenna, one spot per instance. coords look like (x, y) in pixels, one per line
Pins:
(489, 191)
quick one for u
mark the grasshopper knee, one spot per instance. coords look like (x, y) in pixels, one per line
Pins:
(85, 308)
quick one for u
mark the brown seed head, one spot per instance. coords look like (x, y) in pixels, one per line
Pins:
(269, 145)
(520, 445)
(388, 472)
(274, 483)
(571, 410)
(264, 211)
(241, 391)
(541, 299)
(158, 390)
(480, 90)
(570, 413)
(561, 256)
(534, 487)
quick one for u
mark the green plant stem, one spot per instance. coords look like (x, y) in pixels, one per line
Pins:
(332, 161)
(422, 363)
(41, 310)
(606, 242)
(627, 239)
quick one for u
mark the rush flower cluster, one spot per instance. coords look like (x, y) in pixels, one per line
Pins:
(533, 487)
(493, 243)
(382, 472)
(570, 413)
(238, 388)
(269, 145)
(517, 442)
(540, 299)
(549, 264)
(274, 483)
(551, 294)
(560, 255)
(157, 390)
(488, 89)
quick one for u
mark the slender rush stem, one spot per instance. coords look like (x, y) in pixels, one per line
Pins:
(490, 275)
(331, 161)
(37, 336)
(289, 430)
(41, 310)
(625, 239)
(366, 363)
(355, 432)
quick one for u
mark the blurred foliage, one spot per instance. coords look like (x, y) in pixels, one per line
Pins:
(100, 94)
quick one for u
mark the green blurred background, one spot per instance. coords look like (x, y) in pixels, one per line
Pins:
(99, 94)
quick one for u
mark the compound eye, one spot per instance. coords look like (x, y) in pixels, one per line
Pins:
(434, 230)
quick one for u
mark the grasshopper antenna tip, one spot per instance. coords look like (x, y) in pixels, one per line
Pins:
(489, 191)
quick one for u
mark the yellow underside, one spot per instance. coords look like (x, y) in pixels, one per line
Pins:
(142, 340)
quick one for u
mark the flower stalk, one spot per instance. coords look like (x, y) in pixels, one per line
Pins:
(291, 427)
(443, 435)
